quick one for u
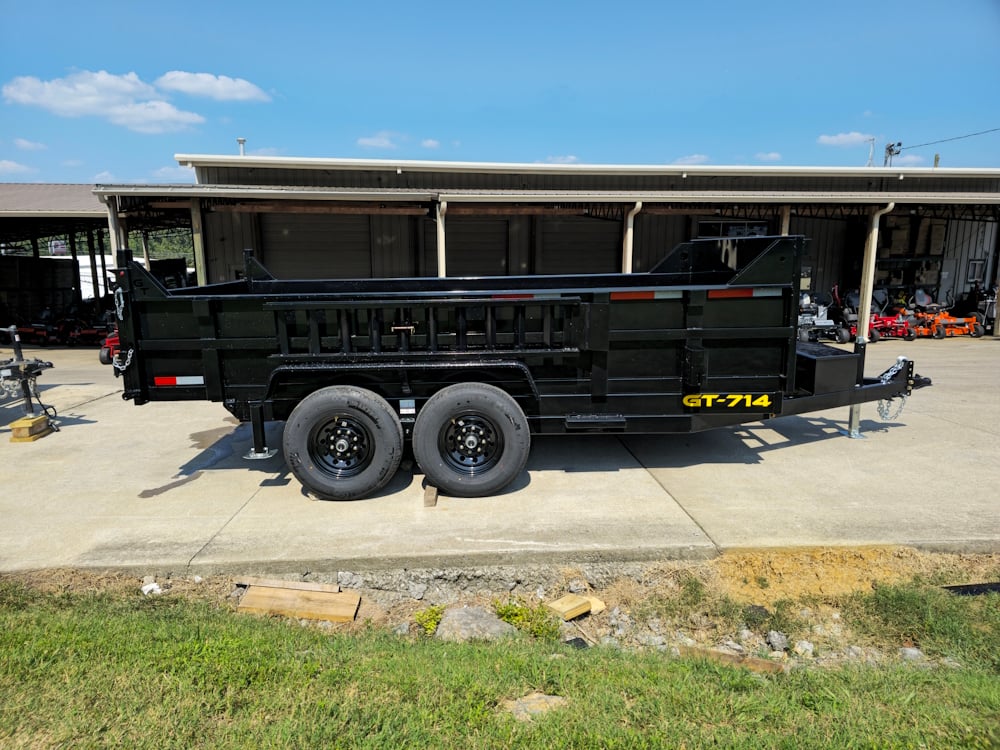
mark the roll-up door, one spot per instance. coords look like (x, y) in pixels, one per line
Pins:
(476, 247)
(304, 246)
(580, 244)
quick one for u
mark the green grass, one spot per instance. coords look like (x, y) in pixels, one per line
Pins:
(94, 671)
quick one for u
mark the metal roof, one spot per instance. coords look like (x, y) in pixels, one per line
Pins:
(899, 196)
(38, 200)
(334, 164)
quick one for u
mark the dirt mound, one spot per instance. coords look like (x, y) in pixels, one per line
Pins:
(767, 576)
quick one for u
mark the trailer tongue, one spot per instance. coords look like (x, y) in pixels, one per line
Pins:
(467, 369)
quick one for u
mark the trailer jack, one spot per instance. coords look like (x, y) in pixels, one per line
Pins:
(17, 379)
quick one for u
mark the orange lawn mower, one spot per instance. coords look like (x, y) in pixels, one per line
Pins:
(931, 319)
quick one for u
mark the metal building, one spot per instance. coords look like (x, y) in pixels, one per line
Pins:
(309, 218)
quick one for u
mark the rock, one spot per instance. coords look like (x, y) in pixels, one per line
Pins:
(911, 654)
(610, 642)
(198, 579)
(652, 641)
(854, 652)
(756, 615)
(803, 648)
(417, 590)
(350, 580)
(151, 589)
(472, 624)
(402, 629)
(146, 580)
(777, 640)
(732, 647)
(526, 708)
(747, 636)
(684, 640)
(577, 586)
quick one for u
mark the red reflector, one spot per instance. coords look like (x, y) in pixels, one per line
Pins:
(165, 381)
(648, 294)
(730, 293)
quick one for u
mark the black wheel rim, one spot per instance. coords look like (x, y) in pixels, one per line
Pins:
(471, 444)
(342, 446)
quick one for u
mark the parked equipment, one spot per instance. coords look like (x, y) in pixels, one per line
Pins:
(468, 369)
(932, 319)
(816, 322)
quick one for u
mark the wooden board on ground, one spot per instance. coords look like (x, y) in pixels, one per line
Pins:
(278, 583)
(311, 605)
(570, 606)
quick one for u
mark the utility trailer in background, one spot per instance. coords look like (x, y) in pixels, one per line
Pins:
(467, 369)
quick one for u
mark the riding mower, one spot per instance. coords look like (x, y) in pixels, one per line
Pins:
(815, 322)
(931, 319)
(880, 324)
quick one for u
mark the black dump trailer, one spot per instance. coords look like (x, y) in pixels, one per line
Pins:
(468, 369)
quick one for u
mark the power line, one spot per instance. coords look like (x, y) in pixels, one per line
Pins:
(946, 140)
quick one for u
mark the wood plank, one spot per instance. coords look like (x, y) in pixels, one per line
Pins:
(311, 605)
(279, 583)
(570, 606)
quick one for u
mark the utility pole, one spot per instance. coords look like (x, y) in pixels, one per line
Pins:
(891, 150)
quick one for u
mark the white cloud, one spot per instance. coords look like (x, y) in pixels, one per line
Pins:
(909, 160)
(567, 159)
(105, 178)
(220, 88)
(83, 93)
(692, 159)
(854, 138)
(174, 174)
(152, 117)
(25, 145)
(768, 156)
(73, 163)
(12, 167)
(121, 99)
(430, 143)
(382, 139)
(126, 100)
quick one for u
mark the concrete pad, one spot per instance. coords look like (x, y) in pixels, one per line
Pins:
(928, 478)
(164, 487)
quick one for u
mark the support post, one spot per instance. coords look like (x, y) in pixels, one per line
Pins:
(198, 239)
(92, 250)
(442, 209)
(865, 309)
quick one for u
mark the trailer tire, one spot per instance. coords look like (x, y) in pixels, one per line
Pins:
(874, 335)
(939, 332)
(909, 334)
(471, 440)
(343, 442)
(104, 356)
(977, 330)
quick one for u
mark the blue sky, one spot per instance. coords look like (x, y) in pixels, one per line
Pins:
(109, 91)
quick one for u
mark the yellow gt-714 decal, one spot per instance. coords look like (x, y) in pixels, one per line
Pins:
(735, 401)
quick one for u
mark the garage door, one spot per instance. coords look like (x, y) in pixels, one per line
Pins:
(297, 246)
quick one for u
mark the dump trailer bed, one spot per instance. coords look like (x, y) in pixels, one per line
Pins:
(468, 368)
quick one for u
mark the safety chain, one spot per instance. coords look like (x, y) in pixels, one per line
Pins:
(12, 388)
(883, 409)
(128, 360)
(885, 378)
(120, 303)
